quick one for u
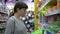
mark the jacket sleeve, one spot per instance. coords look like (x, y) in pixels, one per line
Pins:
(9, 26)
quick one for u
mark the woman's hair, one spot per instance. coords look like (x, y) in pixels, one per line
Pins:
(19, 5)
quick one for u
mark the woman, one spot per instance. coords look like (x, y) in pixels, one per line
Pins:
(15, 24)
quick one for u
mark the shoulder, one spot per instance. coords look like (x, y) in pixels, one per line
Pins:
(10, 20)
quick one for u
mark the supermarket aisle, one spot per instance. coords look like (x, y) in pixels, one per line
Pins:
(48, 14)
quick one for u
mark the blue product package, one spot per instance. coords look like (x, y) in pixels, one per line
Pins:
(47, 32)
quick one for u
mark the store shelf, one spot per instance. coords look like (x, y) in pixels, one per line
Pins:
(3, 12)
(2, 28)
(2, 21)
(44, 4)
(57, 11)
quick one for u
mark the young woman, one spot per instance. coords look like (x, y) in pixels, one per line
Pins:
(15, 25)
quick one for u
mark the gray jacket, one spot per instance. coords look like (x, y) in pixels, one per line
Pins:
(19, 26)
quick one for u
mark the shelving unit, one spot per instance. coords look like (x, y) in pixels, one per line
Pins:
(44, 4)
(1, 12)
(52, 12)
(3, 16)
(57, 11)
(2, 26)
(2, 21)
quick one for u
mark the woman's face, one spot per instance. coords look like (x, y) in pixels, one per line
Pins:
(21, 12)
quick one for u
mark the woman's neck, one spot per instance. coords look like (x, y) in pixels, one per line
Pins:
(17, 16)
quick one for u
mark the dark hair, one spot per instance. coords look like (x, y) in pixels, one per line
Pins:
(19, 5)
